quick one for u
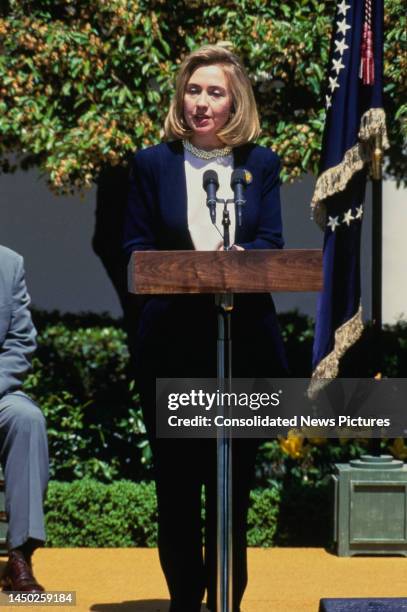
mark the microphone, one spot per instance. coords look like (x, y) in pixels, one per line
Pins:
(211, 184)
(239, 179)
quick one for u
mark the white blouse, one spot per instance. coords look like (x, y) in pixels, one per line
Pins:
(204, 234)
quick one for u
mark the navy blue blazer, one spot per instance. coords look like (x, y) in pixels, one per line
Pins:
(156, 218)
(157, 207)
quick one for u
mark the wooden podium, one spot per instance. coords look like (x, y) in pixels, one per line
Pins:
(224, 273)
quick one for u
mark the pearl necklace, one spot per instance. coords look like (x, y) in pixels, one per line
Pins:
(202, 154)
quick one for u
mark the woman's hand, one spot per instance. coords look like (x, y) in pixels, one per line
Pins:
(234, 247)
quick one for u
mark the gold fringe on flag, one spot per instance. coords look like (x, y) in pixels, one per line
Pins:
(345, 336)
(372, 130)
(372, 125)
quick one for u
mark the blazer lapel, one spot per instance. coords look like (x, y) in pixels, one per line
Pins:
(176, 189)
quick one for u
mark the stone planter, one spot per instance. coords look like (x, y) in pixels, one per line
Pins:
(370, 515)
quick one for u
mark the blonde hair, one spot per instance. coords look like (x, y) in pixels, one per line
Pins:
(243, 124)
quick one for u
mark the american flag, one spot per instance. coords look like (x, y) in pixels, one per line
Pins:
(354, 133)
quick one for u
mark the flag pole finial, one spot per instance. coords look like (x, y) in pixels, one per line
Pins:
(377, 158)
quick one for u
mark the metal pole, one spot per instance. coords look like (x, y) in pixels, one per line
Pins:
(377, 258)
(224, 585)
(224, 570)
(377, 248)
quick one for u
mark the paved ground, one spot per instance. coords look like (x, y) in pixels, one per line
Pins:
(280, 579)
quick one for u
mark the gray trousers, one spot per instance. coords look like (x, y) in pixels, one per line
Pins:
(24, 459)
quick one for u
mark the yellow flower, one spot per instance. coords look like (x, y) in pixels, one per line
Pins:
(293, 445)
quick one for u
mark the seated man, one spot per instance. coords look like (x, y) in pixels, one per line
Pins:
(23, 436)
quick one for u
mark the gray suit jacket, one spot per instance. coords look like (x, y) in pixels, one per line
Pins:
(17, 332)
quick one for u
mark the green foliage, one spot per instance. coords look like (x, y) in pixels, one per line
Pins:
(84, 83)
(81, 380)
(395, 70)
(262, 517)
(123, 514)
(120, 514)
(92, 354)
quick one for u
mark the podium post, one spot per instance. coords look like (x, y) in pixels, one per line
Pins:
(224, 592)
(224, 273)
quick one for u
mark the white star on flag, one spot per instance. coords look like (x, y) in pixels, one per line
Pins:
(328, 100)
(347, 217)
(337, 65)
(341, 46)
(343, 8)
(333, 83)
(343, 26)
(333, 223)
(359, 212)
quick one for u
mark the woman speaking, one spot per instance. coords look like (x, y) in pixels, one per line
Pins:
(211, 125)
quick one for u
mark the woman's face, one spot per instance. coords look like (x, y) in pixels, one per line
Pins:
(207, 104)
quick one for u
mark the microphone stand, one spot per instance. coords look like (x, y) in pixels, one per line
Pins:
(224, 303)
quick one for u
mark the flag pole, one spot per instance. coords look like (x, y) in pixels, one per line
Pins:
(377, 233)
(377, 253)
(377, 261)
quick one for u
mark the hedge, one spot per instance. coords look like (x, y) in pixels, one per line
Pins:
(124, 514)
(82, 381)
